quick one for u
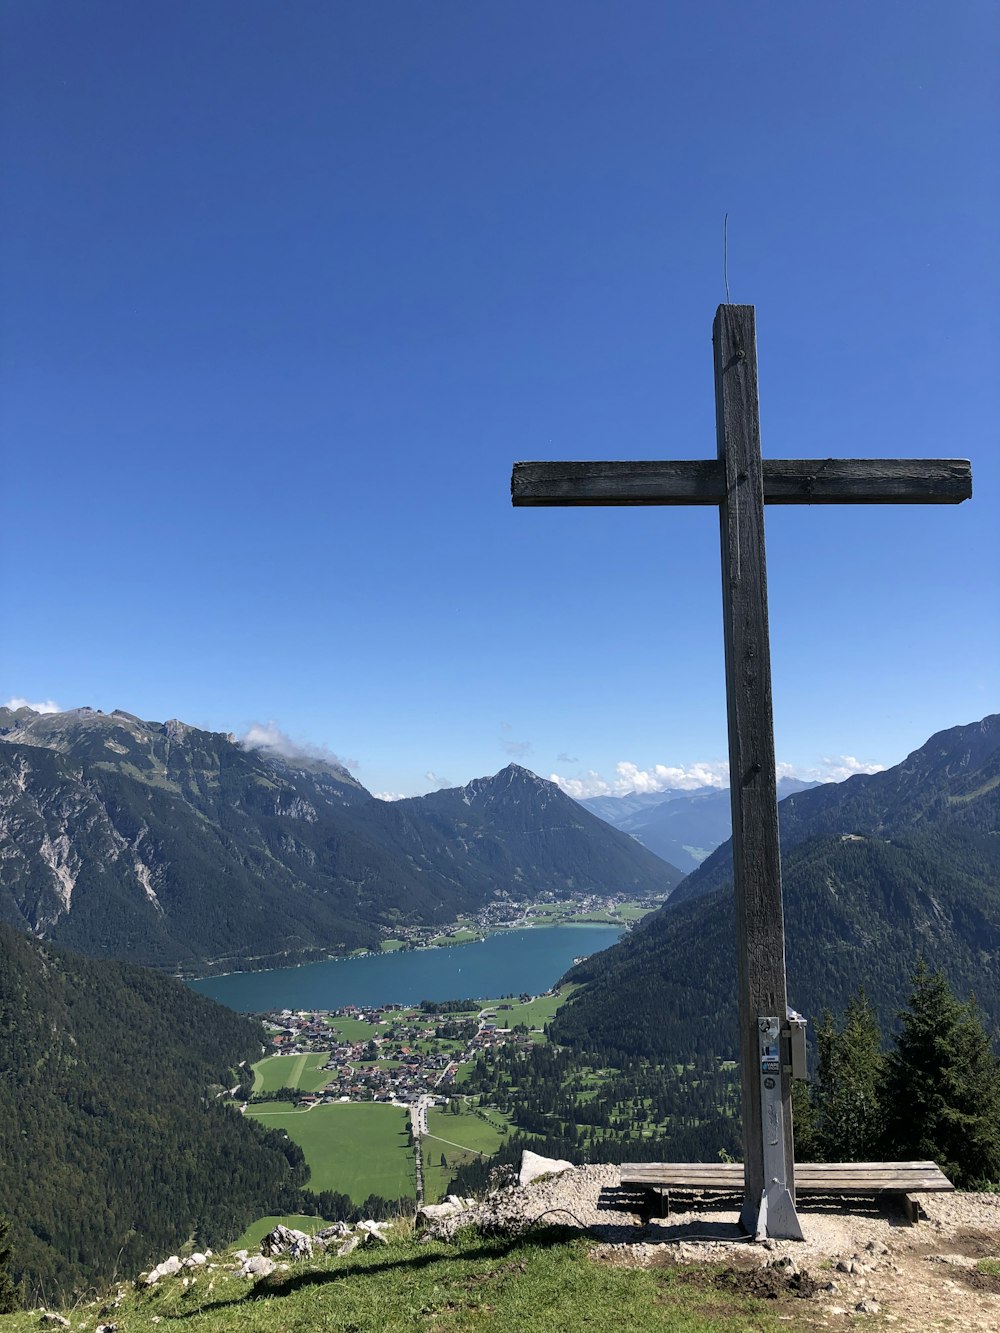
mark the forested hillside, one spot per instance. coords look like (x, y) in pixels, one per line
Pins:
(887, 869)
(115, 1145)
(953, 779)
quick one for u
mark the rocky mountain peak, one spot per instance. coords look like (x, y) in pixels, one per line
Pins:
(509, 784)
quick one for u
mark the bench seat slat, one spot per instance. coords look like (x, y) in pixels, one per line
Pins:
(812, 1177)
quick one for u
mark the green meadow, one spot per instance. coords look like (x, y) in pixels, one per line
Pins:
(533, 1014)
(352, 1029)
(291, 1071)
(458, 1139)
(356, 1148)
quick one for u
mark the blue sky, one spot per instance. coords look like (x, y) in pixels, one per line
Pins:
(285, 290)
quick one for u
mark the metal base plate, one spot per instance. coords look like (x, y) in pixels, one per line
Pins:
(774, 1215)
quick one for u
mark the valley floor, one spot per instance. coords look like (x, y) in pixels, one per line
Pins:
(589, 909)
(359, 1073)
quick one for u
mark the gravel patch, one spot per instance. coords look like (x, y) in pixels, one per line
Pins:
(859, 1259)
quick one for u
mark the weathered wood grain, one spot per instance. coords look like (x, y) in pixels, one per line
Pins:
(702, 482)
(810, 1177)
(760, 933)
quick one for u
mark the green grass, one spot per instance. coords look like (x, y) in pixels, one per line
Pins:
(291, 1071)
(543, 1283)
(256, 1231)
(459, 937)
(467, 1129)
(991, 1267)
(459, 1139)
(391, 946)
(358, 1148)
(352, 1029)
(633, 912)
(534, 1014)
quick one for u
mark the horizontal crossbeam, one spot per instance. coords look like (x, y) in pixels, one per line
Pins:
(786, 481)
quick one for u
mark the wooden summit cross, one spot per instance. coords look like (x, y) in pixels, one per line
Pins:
(740, 483)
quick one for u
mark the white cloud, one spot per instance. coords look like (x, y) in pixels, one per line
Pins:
(269, 736)
(436, 780)
(708, 773)
(46, 706)
(663, 777)
(390, 795)
(590, 784)
(631, 778)
(831, 768)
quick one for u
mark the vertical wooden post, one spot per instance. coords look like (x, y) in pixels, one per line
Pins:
(760, 939)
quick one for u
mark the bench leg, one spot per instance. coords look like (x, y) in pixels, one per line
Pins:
(912, 1209)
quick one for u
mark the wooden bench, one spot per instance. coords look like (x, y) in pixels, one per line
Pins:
(904, 1179)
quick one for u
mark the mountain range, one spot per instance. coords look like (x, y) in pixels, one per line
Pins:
(683, 827)
(877, 872)
(179, 848)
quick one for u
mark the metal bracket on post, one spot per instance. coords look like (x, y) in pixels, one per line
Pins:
(774, 1214)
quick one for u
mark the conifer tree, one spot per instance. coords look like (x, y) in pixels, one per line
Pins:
(847, 1098)
(10, 1291)
(942, 1087)
(807, 1148)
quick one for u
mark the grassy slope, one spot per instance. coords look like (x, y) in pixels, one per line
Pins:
(532, 1285)
(291, 1071)
(534, 1014)
(358, 1148)
(473, 1135)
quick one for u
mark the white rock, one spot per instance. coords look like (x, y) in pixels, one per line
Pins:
(337, 1230)
(241, 1255)
(351, 1243)
(165, 1269)
(430, 1212)
(282, 1238)
(868, 1307)
(259, 1266)
(533, 1166)
(55, 1320)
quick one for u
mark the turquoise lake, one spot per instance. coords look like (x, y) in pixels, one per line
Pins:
(509, 962)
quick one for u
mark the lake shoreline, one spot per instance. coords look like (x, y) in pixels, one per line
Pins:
(527, 959)
(384, 953)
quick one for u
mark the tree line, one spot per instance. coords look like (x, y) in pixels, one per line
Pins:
(934, 1095)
